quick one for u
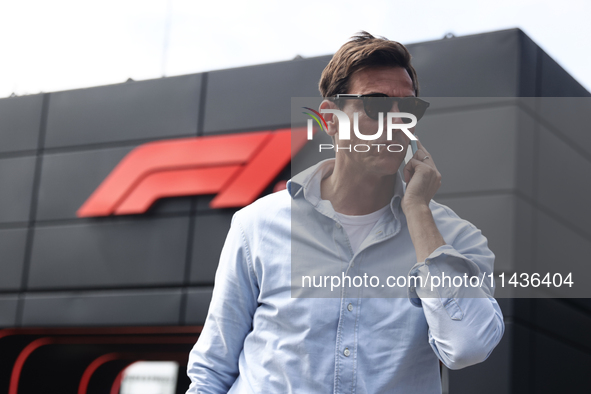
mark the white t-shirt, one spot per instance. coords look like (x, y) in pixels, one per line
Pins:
(358, 227)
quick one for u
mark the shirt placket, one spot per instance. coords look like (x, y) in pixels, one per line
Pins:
(346, 348)
(346, 345)
(350, 308)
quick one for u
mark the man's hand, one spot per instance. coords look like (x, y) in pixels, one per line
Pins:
(422, 178)
(422, 182)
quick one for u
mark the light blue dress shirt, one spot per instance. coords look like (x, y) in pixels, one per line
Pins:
(263, 334)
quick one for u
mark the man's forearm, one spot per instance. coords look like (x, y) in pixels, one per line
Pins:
(425, 236)
(465, 322)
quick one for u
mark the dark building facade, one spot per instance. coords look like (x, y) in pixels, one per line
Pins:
(121, 288)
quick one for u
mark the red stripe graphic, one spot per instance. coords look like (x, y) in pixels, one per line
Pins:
(91, 369)
(20, 362)
(238, 167)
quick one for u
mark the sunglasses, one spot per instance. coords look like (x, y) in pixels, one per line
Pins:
(375, 103)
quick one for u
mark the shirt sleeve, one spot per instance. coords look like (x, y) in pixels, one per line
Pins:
(456, 292)
(213, 361)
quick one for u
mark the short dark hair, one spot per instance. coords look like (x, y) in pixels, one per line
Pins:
(363, 51)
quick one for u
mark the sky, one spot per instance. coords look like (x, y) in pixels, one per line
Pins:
(49, 46)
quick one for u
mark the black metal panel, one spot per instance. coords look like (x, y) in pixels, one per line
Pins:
(119, 308)
(56, 368)
(259, 97)
(562, 180)
(528, 52)
(16, 188)
(160, 108)
(583, 304)
(522, 346)
(525, 150)
(210, 234)
(109, 254)
(551, 315)
(8, 305)
(563, 249)
(12, 255)
(492, 167)
(556, 82)
(517, 308)
(489, 377)
(559, 367)
(68, 179)
(20, 118)
(198, 300)
(482, 65)
(569, 118)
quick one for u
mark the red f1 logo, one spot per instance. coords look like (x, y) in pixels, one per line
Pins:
(238, 167)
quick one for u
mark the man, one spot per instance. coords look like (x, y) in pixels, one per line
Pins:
(349, 215)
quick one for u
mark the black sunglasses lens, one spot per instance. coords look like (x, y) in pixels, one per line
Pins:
(374, 105)
(414, 106)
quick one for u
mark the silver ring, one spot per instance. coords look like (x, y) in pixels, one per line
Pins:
(425, 158)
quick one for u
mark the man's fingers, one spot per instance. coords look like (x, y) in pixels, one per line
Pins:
(409, 169)
(422, 156)
(421, 147)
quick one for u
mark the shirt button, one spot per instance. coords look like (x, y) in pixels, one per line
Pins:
(350, 307)
(338, 225)
(347, 352)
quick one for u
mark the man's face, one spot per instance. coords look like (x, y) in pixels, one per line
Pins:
(394, 82)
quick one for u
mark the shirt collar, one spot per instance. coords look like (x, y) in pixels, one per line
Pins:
(307, 183)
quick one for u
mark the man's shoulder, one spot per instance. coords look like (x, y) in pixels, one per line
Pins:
(272, 207)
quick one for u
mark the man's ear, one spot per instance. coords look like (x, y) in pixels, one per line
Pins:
(331, 120)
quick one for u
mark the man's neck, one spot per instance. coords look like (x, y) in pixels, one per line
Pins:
(354, 193)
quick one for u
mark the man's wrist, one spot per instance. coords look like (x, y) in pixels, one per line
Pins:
(425, 236)
(415, 209)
